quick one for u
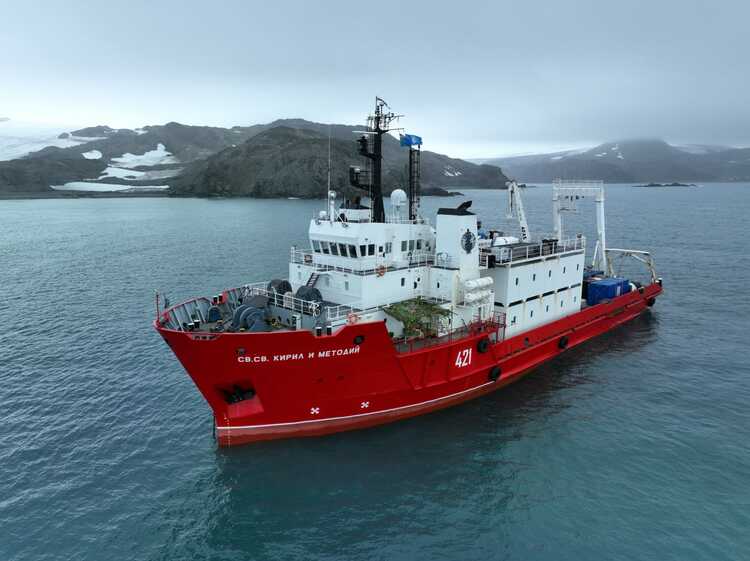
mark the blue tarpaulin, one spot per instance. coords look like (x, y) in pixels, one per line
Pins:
(411, 140)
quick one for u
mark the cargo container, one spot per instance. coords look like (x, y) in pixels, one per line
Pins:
(606, 289)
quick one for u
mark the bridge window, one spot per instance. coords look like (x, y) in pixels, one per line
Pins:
(352, 251)
(371, 249)
(342, 250)
(316, 246)
(324, 247)
(334, 249)
(362, 250)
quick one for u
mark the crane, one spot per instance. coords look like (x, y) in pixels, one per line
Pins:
(515, 203)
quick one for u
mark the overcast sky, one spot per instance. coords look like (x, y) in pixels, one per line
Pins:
(474, 79)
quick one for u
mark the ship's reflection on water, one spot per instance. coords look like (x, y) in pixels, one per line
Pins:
(356, 494)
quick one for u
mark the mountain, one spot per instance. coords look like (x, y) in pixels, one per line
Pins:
(626, 161)
(287, 157)
(286, 160)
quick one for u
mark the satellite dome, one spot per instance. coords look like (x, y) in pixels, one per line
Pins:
(398, 198)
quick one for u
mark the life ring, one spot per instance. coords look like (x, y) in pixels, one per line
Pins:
(352, 318)
(381, 270)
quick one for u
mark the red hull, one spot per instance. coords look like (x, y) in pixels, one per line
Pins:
(306, 385)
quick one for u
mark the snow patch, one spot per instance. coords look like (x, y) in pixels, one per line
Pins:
(451, 172)
(121, 173)
(20, 138)
(600, 155)
(105, 187)
(560, 157)
(150, 158)
(92, 155)
(134, 175)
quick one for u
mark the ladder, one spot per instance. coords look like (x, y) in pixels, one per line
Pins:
(313, 279)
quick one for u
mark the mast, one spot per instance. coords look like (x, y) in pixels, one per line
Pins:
(378, 125)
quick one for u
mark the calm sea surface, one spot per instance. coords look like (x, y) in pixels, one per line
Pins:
(634, 446)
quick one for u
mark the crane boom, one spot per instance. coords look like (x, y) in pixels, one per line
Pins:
(515, 203)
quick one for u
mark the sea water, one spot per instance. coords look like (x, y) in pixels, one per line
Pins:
(635, 445)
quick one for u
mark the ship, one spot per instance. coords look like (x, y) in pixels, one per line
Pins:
(385, 316)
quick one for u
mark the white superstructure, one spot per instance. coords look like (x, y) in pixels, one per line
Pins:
(360, 267)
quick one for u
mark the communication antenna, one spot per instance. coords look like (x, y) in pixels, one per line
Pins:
(329, 156)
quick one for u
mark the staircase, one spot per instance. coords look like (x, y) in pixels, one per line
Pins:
(313, 279)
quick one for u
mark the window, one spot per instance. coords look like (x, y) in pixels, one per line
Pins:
(516, 281)
(513, 321)
(419, 244)
(352, 251)
(362, 250)
(403, 245)
(411, 245)
(342, 250)
(316, 246)
(549, 274)
(334, 249)
(574, 298)
(380, 249)
(561, 303)
(403, 281)
(546, 308)
(564, 269)
(388, 247)
(533, 277)
(371, 249)
(324, 247)
(438, 284)
(578, 266)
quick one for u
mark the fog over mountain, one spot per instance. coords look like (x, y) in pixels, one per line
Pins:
(483, 79)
